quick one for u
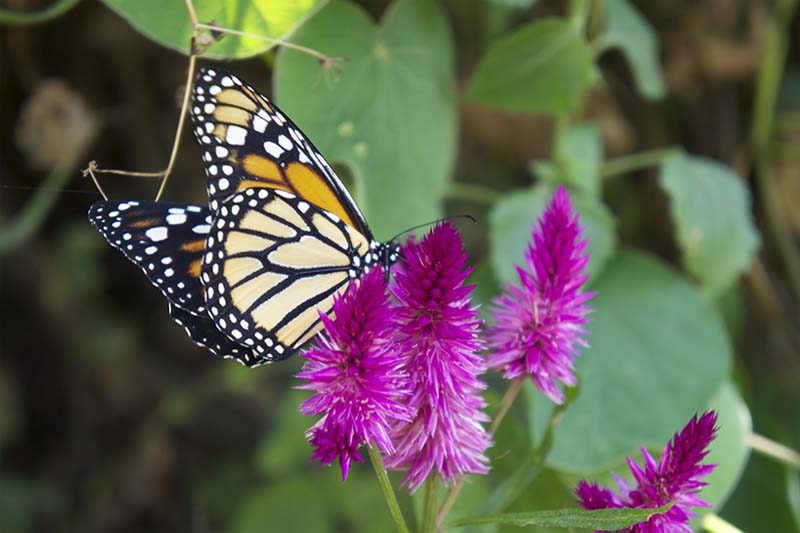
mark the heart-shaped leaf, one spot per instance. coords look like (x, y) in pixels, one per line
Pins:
(711, 210)
(658, 353)
(168, 23)
(542, 67)
(389, 115)
(625, 28)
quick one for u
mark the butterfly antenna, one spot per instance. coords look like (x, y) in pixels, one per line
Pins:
(437, 221)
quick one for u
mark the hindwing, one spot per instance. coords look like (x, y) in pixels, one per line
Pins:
(273, 261)
(167, 242)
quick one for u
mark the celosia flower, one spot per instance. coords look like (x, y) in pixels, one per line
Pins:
(538, 326)
(674, 479)
(356, 376)
(438, 335)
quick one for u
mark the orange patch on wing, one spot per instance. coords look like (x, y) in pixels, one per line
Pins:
(261, 167)
(194, 246)
(146, 223)
(314, 189)
(194, 268)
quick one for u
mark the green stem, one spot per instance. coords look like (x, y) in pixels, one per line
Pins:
(578, 13)
(17, 233)
(472, 193)
(502, 409)
(386, 487)
(767, 88)
(506, 403)
(15, 18)
(774, 450)
(431, 499)
(630, 163)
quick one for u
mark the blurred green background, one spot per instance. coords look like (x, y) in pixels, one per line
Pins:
(675, 124)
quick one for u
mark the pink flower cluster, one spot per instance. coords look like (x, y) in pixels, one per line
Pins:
(403, 375)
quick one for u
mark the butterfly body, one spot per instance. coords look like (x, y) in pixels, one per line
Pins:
(280, 238)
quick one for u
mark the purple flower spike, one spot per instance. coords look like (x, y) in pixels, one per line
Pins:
(674, 479)
(438, 333)
(356, 376)
(540, 325)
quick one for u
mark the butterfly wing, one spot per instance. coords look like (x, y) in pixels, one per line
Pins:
(167, 242)
(273, 261)
(203, 332)
(247, 142)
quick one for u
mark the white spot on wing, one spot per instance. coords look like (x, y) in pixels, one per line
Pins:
(284, 141)
(273, 149)
(156, 234)
(259, 124)
(236, 135)
(176, 219)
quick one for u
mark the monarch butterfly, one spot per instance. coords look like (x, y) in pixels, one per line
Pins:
(248, 276)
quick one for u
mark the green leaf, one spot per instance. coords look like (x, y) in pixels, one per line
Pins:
(293, 505)
(760, 501)
(542, 67)
(358, 503)
(625, 28)
(24, 502)
(601, 519)
(580, 153)
(510, 222)
(547, 491)
(473, 495)
(56, 9)
(519, 4)
(730, 450)
(579, 159)
(390, 116)
(711, 210)
(486, 287)
(168, 23)
(658, 353)
(284, 449)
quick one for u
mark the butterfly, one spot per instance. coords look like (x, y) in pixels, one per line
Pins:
(248, 275)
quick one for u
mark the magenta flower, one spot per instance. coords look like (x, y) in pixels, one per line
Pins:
(355, 373)
(438, 334)
(674, 479)
(539, 326)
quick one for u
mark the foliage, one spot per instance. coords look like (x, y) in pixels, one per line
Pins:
(92, 367)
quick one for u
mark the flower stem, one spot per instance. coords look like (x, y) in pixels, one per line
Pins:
(761, 135)
(506, 403)
(502, 409)
(386, 487)
(431, 498)
(715, 524)
(638, 161)
(774, 450)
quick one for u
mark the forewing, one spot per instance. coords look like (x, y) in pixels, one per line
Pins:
(272, 263)
(248, 142)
